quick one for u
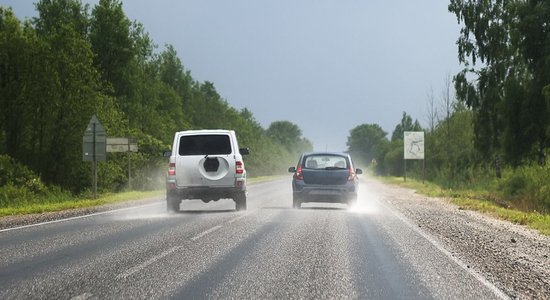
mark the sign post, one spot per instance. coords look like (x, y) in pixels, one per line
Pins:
(123, 145)
(413, 148)
(93, 147)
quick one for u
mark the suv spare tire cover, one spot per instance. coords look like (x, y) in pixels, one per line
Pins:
(222, 171)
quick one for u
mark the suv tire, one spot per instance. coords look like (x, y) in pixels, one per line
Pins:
(240, 201)
(172, 203)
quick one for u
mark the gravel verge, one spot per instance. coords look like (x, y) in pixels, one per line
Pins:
(514, 258)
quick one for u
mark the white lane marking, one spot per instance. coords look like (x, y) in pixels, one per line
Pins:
(151, 260)
(78, 217)
(198, 236)
(236, 219)
(82, 296)
(500, 294)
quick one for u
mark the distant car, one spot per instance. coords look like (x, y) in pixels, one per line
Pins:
(206, 165)
(324, 177)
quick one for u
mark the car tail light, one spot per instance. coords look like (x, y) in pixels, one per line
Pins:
(351, 176)
(239, 168)
(172, 169)
(299, 175)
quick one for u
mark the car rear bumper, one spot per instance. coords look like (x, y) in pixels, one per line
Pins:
(324, 193)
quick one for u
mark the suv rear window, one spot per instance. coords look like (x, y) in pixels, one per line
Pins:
(204, 145)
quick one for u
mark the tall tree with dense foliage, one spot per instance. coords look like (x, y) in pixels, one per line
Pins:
(112, 44)
(506, 94)
(406, 124)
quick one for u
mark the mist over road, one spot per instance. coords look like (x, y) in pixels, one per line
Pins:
(371, 251)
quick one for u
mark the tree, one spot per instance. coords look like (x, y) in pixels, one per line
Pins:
(112, 44)
(506, 95)
(56, 13)
(406, 124)
(366, 141)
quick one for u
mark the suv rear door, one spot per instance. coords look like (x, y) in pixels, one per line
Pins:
(205, 160)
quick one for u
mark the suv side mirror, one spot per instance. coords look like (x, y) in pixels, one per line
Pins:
(167, 154)
(244, 151)
(292, 170)
(358, 171)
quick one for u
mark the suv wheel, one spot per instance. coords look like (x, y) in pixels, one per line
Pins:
(172, 203)
(240, 201)
(296, 201)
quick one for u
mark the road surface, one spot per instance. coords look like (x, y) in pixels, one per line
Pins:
(321, 251)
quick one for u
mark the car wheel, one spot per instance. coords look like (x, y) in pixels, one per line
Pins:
(352, 201)
(296, 201)
(172, 203)
(240, 201)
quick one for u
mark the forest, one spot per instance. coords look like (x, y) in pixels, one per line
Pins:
(74, 61)
(489, 128)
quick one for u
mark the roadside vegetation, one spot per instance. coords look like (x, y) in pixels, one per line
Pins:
(73, 61)
(479, 200)
(488, 130)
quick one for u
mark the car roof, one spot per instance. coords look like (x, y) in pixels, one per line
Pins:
(205, 131)
(325, 153)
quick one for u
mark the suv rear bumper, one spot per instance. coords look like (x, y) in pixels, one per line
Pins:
(205, 193)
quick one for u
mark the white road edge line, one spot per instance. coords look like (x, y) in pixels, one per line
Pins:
(198, 236)
(143, 265)
(499, 293)
(77, 217)
(82, 296)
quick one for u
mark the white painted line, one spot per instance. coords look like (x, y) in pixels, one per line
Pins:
(206, 232)
(500, 294)
(236, 219)
(143, 265)
(82, 296)
(78, 217)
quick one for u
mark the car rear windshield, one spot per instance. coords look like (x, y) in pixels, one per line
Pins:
(204, 145)
(325, 161)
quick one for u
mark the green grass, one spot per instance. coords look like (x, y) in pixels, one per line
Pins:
(477, 200)
(51, 204)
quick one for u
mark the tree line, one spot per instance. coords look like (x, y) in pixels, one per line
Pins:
(493, 132)
(73, 61)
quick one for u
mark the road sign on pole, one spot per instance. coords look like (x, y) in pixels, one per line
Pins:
(123, 145)
(93, 147)
(413, 148)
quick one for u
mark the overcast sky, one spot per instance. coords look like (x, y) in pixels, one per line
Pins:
(325, 65)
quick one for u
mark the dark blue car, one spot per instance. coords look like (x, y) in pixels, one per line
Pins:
(324, 177)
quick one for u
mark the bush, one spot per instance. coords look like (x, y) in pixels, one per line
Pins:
(528, 187)
(13, 196)
(15, 173)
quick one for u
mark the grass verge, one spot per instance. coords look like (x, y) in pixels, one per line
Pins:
(53, 205)
(477, 200)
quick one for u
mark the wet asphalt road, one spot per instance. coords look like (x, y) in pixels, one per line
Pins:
(211, 251)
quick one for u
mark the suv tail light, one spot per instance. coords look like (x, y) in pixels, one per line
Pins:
(239, 168)
(172, 169)
(351, 174)
(299, 174)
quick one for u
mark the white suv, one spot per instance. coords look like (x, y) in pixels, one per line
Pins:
(206, 165)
